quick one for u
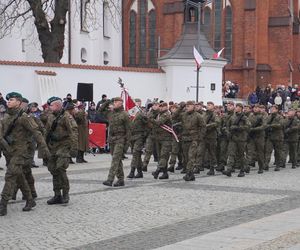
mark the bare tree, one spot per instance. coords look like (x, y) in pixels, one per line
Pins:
(50, 18)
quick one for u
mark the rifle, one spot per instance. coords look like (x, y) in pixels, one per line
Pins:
(258, 123)
(53, 127)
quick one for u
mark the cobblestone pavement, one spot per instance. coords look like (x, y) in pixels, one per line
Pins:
(146, 213)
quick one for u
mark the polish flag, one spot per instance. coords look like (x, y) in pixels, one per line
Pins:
(217, 55)
(198, 58)
(129, 104)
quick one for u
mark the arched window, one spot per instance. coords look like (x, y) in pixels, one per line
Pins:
(206, 26)
(218, 24)
(143, 33)
(228, 34)
(152, 37)
(132, 38)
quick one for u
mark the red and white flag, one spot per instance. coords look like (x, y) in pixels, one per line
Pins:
(198, 58)
(129, 104)
(217, 55)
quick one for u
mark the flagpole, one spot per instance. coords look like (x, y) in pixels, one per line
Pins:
(197, 85)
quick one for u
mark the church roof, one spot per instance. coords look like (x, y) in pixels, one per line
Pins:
(183, 49)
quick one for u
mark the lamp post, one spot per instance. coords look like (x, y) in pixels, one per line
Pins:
(197, 5)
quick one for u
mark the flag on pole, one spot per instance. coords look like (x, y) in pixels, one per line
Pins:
(129, 104)
(217, 55)
(198, 58)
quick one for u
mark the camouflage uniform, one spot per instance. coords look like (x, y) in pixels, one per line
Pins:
(16, 149)
(291, 136)
(118, 138)
(83, 134)
(63, 144)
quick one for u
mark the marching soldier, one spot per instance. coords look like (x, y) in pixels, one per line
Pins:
(238, 126)
(62, 140)
(16, 129)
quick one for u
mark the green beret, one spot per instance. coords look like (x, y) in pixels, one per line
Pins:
(14, 95)
(33, 104)
(239, 105)
(118, 99)
(53, 99)
(25, 100)
(190, 103)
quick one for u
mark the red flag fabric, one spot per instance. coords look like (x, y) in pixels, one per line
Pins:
(129, 104)
(217, 55)
(198, 58)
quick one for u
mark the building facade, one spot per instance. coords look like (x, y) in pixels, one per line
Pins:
(261, 38)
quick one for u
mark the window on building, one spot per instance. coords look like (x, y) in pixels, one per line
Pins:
(152, 38)
(83, 55)
(106, 18)
(23, 45)
(228, 34)
(143, 33)
(206, 26)
(84, 8)
(218, 24)
(105, 58)
(132, 38)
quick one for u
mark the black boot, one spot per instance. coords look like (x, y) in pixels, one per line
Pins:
(79, 157)
(3, 207)
(70, 161)
(57, 199)
(107, 183)
(189, 176)
(144, 168)
(65, 198)
(196, 170)
(45, 162)
(211, 171)
(139, 173)
(164, 175)
(29, 205)
(119, 183)
(220, 168)
(34, 195)
(131, 173)
(179, 167)
(82, 157)
(227, 172)
(183, 171)
(156, 173)
(171, 169)
(247, 169)
(241, 174)
(277, 168)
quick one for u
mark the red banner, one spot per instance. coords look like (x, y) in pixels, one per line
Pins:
(97, 135)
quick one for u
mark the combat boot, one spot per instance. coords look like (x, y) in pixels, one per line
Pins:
(227, 172)
(211, 171)
(183, 171)
(171, 169)
(131, 174)
(107, 183)
(241, 174)
(156, 173)
(164, 175)
(34, 195)
(179, 167)
(293, 165)
(189, 176)
(57, 199)
(65, 198)
(247, 169)
(29, 205)
(3, 207)
(196, 170)
(260, 170)
(119, 183)
(139, 173)
(266, 168)
(144, 169)
(220, 168)
(277, 168)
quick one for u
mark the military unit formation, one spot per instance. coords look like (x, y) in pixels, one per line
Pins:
(225, 138)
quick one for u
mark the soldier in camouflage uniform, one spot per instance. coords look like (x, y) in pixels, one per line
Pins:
(118, 138)
(164, 140)
(176, 146)
(193, 129)
(62, 140)
(15, 131)
(224, 136)
(275, 136)
(256, 142)
(150, 141)
(238, 126)
(291, 128)
(138, 137)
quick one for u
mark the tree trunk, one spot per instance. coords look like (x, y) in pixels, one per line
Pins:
(51, 36)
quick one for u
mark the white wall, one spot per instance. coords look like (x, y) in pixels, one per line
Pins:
(181, 80)
(25, 80)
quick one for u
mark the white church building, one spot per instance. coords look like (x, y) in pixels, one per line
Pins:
(93, 54)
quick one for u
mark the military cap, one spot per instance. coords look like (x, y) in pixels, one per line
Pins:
(25, 100)
(137, 100)
(155, 103)
(210, 103)
(53, 99)
(69, 106)
(33, 104)
(239, 105)
(118, 99)
(190, 103)
(163, 104)
(14, 95)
